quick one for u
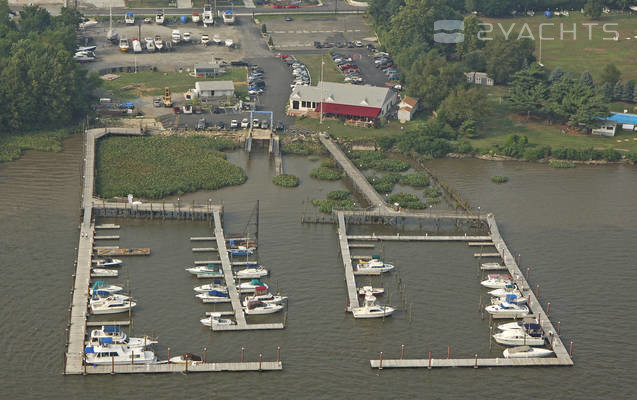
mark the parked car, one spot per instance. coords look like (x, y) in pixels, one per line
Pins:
(220, 125)
(201, 124)
(358, 43)
(157, 102)
(177, 110)
(234, 124)
(318, 45)
(280, 126)
(265, 124)
(245, 123)
(350, 45)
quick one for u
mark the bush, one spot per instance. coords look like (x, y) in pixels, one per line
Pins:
(418, 179)
(326, 206)
(313, 158)
(390, 165)
(431, 192)
(406, 200)
(365, 159)
(286, 180)
(499, 179)
(154, 167)
(326, 174)
(339, 195)
(385, 183)
(12, 145)
(264, 29)
(561, 164)
(302, 148)
(386, 142)
(329, 163)
(632, 156)
(432, 200)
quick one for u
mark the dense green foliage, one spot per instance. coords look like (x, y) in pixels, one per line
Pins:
(499, 179)
(326, 206)
(432, 192)
(286, 180)
(385, 183)
(42, 86)
(376, 160)
(154, 167)
(561, 164)
(304, 148)
(418, 179)
(406, 200)
(339, 195)
(326, 174)
(632, 156)
(12, 145)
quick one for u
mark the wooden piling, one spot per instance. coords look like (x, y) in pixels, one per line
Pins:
(448, 352)
(570, 350)
(429, 365)
(205, 353)
(402, 351)
(475, 365)
(243, 353)
(558, 327)
(278, 354)
(380, 366)
(112, 365)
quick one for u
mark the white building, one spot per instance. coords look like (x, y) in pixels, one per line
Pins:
(214, 89)
(479, 78)
(407, 108)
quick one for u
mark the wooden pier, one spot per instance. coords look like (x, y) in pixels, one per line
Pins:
(204, 249)
(425, 238)
(480, 244)
(101, 323)
(107, 226)
(350, 281)
(163, 210)
(107, 237)
(106, 252)
(206, 262)
(185, 368)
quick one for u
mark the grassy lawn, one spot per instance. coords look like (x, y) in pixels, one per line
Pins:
(149, 83)
(148, 4)
(12, 145)
(338, 129)
(503, 123)
(331, 73)
(221, 4)
(581, 54)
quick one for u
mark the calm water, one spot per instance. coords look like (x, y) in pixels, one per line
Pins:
(575, 228)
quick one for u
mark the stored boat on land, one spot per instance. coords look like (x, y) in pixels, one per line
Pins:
(507, 310)
(260, 307)
(214, 296)
(526, 352)
(228, 17)
(371, 310)
(187, 37)
(216, 320)
(124, 45)
(118, 354)
(195, 16)
(251, 271)
(137, 46)
(205, 39)
(150, 44)
(208, 17)
(159, 44)
(129, 18)
(159, 17)
(372, 267)
(175, 36)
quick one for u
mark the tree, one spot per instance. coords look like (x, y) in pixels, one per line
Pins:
(34, 19)
(506, 57)
(593, 8)
(270, 41)
(607, 91)
(610, 74)
(464, 105)
(587, 79)
(264, 29)
(618, 91)
(635, 94)
(629, 89)
(556, 75)
(528, 90)
(471, 41)
(475, 61)
(432, 78)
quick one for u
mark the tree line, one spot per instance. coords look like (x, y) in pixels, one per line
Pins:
(41, 86)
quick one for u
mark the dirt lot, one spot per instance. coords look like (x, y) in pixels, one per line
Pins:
(304, 30)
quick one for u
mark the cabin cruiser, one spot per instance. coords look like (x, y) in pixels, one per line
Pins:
(185, 358)
(254, 285)
(526, 352)
(214, 296)
(187, 37)
(205, 271)
(260, 307)
(496, 281)
(118, 354)
(175, 36)
(84, 56)
(208, 17)
(371, 310)
(205, 39)
(112, 334)
(195, 16)
(102, 286)
(123, 44)
(508, 289)
(507, 310)
(150, 44)
(215, 320)
(159, 44)
(372, 267)
(215, 285)
(112, 304)
(266, 298)
(159, 17)
(228, 17)
(365, 290)
(104, 273)
(251, 271)
(519, 337)
(107, 262)
(511, 298)
(525, 323)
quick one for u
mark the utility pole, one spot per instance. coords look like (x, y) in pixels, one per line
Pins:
(322, 97)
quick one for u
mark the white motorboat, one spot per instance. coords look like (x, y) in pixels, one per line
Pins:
(112, 334)
(496, 281)
(124, 45)
(229, 42)
(104, 273)
(518, 337)
(372, 267)
(159, 17)
(260, 307)
(509, 289)
(254, 285)
(372, 310)
(129, 18)
(175, 36)
(205, 271)
(150, 44)
(113, 304)
(137, 46)
(195, 16)
(205, 39)
(214, 296)
(86, 48)
(365, 290)
(525, 323)
(216, 39)
(84, 56)
(215, 320)
(511, 298)
(507, 310)
(216, 285)
(118, 354)
(251, 272)
(228, 17)
(526, 352)
(266, 298)
(107, 262)
(159, 44)
(186, 358)
(102, 286)
(187, 37)
(208, 17)
(492, 267)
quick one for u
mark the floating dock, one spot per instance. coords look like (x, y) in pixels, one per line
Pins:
(107, 226)
(105, 252)
(204, 249)
(185, 368)
(408, 238)
(104, 237)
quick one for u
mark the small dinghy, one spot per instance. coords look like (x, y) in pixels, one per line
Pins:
(497, 281)
(365, 290)
(214, 296)
(372, 267)
(252, 286)
(216, 320)
(104, 273)
(186, 358)
(251, 272)
(107, 262)
(526, 352)
(260, 307)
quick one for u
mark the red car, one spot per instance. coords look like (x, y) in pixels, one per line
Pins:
(292, 6)
(277, 5)
(177, 110)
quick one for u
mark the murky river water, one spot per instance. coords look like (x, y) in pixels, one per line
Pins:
(576, 228)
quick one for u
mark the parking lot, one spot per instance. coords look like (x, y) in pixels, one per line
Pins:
(303, 31)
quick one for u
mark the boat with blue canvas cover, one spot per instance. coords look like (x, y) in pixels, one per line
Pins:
(241, 251)
(118, 354)
(254, 285)
(102, 286)
(510, 298)
(113, 334)
(214, 296)
(228, 17)
(215, 285)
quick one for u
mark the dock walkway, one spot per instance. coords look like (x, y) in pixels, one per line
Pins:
(352, 293)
